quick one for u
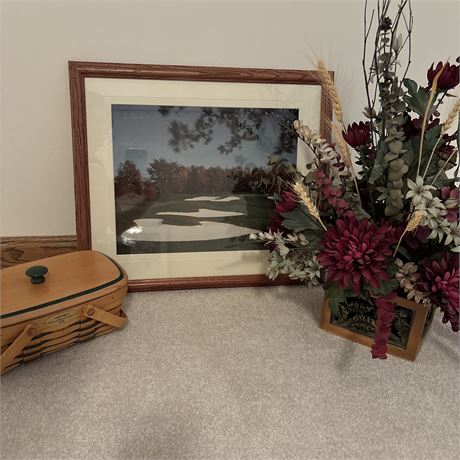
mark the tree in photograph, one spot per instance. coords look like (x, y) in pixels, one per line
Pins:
(167, 176)
(128, 180)
(243, 125)
(219, 180)
(195, 182)
(247, 180)
(149, 190)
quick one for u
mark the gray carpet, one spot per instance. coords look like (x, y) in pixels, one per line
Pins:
(232, 373)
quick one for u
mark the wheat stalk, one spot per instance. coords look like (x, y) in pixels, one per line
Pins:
(330, 90)
(414, 222)
(307, 201)
(333, 95)
(451, 117)
(445, 128)
(343, 146)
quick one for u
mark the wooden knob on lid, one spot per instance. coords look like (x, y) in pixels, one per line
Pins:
(37, 274)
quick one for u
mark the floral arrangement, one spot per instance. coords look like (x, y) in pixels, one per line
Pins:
(375, 215)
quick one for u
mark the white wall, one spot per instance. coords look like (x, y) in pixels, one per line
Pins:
(38, 38)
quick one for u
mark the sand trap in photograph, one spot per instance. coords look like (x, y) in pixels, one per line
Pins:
(202, 213)
(155, 230)
(214, 198)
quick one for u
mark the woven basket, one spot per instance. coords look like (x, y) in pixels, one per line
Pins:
(80, 297)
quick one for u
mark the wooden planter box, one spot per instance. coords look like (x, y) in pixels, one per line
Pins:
(356, 319)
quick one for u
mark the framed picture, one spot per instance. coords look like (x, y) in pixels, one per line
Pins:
(168, 162)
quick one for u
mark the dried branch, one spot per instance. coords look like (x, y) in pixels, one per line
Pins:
(370, 104)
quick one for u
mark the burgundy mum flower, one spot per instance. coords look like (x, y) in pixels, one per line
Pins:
(441, 281)
(449, 77)
(355, 251)
(357, 134)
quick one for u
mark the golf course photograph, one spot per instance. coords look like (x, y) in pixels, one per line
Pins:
(194, 179)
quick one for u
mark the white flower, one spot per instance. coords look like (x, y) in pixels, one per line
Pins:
(322, 149)
(408, 277)
(418, 192)
(452, 234)
(327, 155)
(438, 229)
(434, 209)
(435, 212)
(312, 267)
(408, 268)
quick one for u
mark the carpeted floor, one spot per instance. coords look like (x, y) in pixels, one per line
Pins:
(232, 373)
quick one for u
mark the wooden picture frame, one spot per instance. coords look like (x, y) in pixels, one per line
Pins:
(414, 341)
(83, 73)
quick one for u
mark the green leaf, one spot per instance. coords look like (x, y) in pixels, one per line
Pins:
(376, 173)
(336, 295)
(298, 221)
(392, 269)
(391, 156)
(416, 97)
(392, 210)
(385, 287)
(410, 148)
(404, 252)
(379, 166)
(312, 236)
(431, 137)
(395, 147)
(442, 180)
(352, 199)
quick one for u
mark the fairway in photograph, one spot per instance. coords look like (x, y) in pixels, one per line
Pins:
(192, 178)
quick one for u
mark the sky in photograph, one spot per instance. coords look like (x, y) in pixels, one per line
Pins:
(140, 134)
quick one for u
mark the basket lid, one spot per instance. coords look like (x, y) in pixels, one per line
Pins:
(68, 279)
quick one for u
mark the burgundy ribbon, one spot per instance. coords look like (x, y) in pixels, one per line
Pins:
(385, 315)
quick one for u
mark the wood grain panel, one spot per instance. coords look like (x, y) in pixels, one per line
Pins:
(21, 249)
(206, 282)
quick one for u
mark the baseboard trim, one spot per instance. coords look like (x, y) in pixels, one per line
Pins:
(21, 249)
